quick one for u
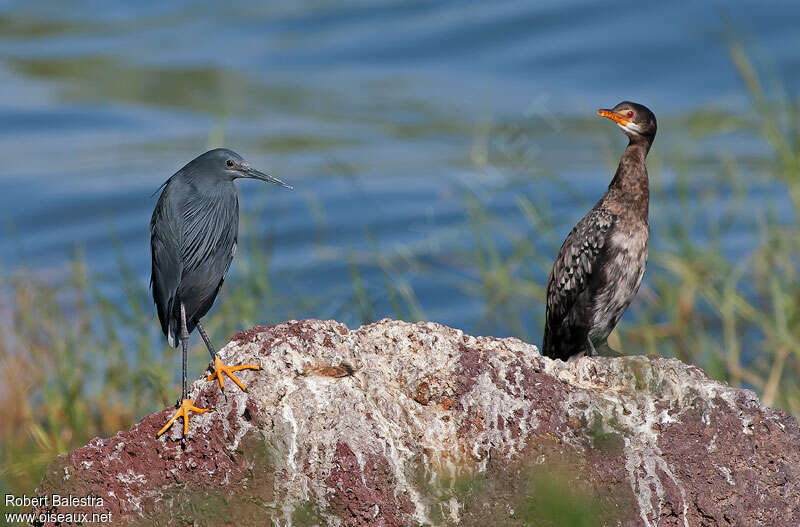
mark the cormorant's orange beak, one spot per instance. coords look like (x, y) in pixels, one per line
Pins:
(617, 118)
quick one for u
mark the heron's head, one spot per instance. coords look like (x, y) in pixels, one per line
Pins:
(226, 163)
(635, 120)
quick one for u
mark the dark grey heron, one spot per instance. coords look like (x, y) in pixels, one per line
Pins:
(601, 264)
(193, 235)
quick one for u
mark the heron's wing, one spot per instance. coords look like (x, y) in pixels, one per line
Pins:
(165, 244)
(577, 259)
(209, 233)
(208, 242)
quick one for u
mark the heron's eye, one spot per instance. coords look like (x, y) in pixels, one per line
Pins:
(630, 114)
(229, 163)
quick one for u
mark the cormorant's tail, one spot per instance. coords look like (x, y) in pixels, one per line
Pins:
(547, 343)
(557, 343)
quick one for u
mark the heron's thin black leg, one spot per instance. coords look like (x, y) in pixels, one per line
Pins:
(185, 347)
(185, 405)
(211, 350)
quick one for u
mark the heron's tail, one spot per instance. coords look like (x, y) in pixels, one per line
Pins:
(171, 337)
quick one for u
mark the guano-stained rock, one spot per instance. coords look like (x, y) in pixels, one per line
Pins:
(398, 424)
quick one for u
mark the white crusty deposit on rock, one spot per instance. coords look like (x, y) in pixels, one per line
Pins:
(366, 424)
(375, 409)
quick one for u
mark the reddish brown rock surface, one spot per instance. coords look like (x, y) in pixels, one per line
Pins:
(398, 424)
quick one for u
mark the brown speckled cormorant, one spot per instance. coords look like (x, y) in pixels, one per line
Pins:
(601, 263)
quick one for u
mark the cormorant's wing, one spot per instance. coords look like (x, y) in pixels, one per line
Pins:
(577, 260)
(165, 244)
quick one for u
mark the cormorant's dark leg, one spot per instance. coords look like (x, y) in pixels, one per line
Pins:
(186, 405)
(608, 351)
(592, 351)
(211, 350)
(220, 368)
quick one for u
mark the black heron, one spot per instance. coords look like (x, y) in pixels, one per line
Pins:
(193, 235)
(601, 264)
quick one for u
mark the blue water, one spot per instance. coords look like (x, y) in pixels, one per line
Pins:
(383, 115)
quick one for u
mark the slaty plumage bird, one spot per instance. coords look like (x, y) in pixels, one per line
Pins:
(193, 235)
(601, 264)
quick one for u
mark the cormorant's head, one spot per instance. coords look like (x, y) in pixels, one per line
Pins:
(636, 120)
(222, 163)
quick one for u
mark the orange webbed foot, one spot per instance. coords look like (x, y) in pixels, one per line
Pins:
(187, 405)
(220, 370)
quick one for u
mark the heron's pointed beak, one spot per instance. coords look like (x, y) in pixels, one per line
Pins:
(252, 173)
(614, 116)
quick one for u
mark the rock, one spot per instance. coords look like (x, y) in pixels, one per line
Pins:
(398, 424)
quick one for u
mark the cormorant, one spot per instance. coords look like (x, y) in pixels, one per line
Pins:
(601, 263)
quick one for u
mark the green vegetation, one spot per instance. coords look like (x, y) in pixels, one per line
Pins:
(75, 365)
(526, 494)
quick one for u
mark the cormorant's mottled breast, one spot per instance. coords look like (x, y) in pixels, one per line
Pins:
(601, 263)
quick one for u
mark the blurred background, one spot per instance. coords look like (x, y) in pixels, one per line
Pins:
(440, 153)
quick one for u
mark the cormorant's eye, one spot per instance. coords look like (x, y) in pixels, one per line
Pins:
(630, 114)
(229, 163)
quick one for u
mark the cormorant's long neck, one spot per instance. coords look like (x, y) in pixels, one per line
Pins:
(630, 188)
